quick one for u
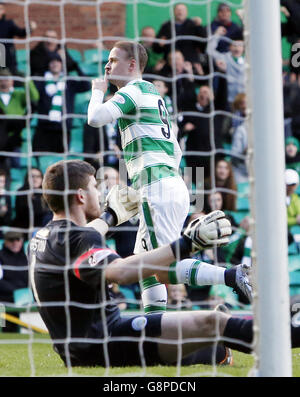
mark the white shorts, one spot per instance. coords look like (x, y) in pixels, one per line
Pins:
(165, 206)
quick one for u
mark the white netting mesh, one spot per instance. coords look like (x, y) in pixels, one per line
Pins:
(203, 108)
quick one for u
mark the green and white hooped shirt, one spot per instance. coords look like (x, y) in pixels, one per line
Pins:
(151, 150)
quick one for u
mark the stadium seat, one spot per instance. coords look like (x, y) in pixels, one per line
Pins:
(81, 102)
(15, 185)
(33, 122)
(294, 283)
(295, 229)
(227, 146)
(76, 142)
(21, 55)
(78, 122)
(243, 188)
(243, 196)
(130, 298)
(17, 174)
(90, 69)
(242, 204)
(238, 216)
(75, 54)
(23, 296)
(26, 161)
(23, 67)
(294, 262)
(293, 249)
(45, 161)
(92, 55)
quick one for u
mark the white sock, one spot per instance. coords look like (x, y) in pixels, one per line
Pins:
(194, 272)
(155, 298)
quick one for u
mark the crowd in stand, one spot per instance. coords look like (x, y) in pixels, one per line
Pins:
(182, 73)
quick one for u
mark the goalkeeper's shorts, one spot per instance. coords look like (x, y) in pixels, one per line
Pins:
(163, 211)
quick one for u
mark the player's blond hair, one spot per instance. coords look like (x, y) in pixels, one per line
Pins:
(135, 51)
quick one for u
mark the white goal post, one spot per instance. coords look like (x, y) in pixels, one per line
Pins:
(267, 164)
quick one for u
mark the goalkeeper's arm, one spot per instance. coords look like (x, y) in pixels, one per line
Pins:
(121, 204)
(203, 232)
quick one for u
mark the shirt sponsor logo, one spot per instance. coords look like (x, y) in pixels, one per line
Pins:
(119, 99)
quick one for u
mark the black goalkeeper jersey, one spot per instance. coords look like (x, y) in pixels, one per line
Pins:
(66, 263)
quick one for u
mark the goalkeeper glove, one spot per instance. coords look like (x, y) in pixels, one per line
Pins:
(121, 204)
(209, 230)
(204, 232)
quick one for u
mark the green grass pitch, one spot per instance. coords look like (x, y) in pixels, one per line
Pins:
(32, 355)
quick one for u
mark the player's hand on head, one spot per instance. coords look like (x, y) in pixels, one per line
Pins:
(209, 230)
(123, 201)
(100, 84)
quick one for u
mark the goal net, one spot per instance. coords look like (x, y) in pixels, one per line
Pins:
(200, 59)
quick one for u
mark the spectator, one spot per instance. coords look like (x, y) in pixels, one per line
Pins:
(41, 54)
(290, 28)
(31, 209)
(292, 198)
(49, 135)
(239, 139)
(242, 243)
(232, 31)
(155, 60)
(163, 89)
(214, 201)
(13, 255)
(5, 202)
(290, 96)
(8, 30)
(185, 85)
(177, 297)
(242, 251)
(225, 183)
(239, 108)
(13, 102)
(292, 108)
(117, 296)
(294, 68)
(239, 151)
(184, 26)
(292, 154)
(197, 128)
(232, 63)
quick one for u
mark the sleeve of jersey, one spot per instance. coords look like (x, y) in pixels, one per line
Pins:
(99, 113)
(126, 100)
(89, 266)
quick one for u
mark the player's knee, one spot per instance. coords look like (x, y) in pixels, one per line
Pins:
(212, 323)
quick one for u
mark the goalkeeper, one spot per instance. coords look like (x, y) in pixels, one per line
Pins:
(70, 269)
(151, 152)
